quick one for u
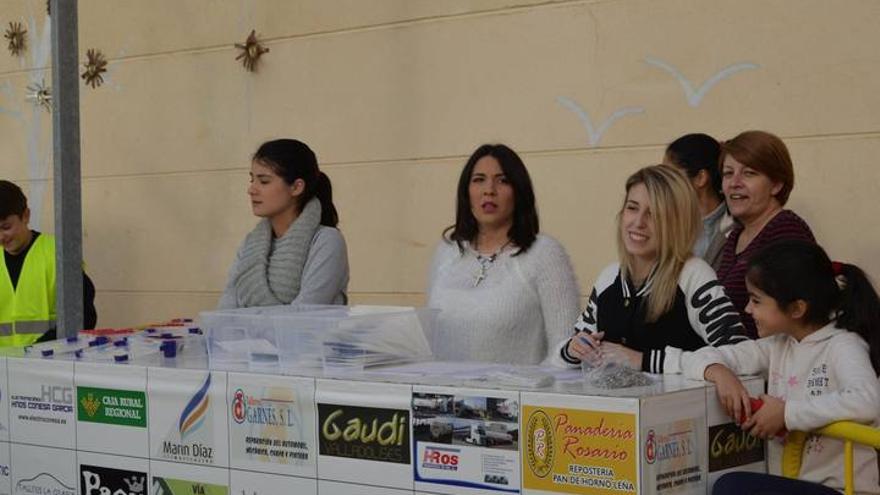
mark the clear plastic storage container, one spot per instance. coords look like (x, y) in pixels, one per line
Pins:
(233, 335)
(326, 339)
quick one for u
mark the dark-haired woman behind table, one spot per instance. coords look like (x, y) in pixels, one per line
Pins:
(295, 254)
(507, 293)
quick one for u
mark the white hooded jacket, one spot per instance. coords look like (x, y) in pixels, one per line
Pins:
(826, 377)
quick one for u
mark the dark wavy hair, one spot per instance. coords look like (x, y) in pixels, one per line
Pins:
(795, 270)
(292, 160)
(525, 215)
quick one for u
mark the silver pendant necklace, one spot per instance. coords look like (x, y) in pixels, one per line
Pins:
(485, 263)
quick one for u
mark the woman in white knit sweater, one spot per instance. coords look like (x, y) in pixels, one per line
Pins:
(507, 293)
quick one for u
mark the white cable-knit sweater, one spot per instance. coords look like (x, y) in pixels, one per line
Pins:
(523, 306)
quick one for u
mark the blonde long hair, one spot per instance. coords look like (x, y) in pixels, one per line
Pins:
(676, 216)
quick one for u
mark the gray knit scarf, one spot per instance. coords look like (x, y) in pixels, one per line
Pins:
(270, 271)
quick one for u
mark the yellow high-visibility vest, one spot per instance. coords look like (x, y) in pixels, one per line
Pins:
(28, 311)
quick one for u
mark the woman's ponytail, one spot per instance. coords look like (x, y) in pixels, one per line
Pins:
(324, 193)
(859, 308)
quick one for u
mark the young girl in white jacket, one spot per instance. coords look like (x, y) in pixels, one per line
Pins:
(819, 348)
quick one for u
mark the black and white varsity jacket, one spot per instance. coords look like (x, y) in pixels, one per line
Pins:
(701, 314)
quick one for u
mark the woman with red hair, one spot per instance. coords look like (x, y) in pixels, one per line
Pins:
(757, 177)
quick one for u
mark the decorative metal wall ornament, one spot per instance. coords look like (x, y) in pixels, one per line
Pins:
(251, 51)
(94, 67)
(16, 34)
(40, 95)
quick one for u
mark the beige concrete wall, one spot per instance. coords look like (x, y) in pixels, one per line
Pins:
(394, 94)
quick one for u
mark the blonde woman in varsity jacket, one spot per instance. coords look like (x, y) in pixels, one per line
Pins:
(658, 300)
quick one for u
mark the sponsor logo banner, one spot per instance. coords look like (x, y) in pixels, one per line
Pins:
(730, 447)
(97, 480)
(110, 406)
(191, 438)
(672, 460)
(53, 404)
(466, 441)
(367, 433)
(442, 458)
(169, 486)
(268, 426)
(579, 451)
(44, 483)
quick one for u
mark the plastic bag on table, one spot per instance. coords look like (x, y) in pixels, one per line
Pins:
(609, 375)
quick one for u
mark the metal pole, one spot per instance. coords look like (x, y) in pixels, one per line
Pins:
(65, 138)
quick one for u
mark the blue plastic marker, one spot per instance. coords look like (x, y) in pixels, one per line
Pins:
(586, 341)
(169, 348)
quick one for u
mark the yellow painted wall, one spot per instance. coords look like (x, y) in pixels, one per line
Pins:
(393, 95)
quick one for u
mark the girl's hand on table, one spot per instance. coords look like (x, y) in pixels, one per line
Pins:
(732, 394)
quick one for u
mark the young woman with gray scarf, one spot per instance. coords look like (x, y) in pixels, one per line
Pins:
(295, 254)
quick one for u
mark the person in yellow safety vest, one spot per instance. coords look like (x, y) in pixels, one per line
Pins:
(27, 276)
